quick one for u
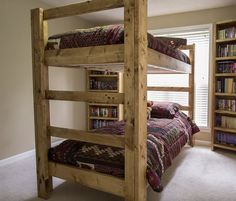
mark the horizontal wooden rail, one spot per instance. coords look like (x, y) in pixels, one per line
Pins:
(85, 55)
(82, 8)
(185, 108)
(174, 89)
(96, 180)
(187, 47)
(97, 138)
(94, 97)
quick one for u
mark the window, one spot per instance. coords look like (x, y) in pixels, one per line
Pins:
(199, 36)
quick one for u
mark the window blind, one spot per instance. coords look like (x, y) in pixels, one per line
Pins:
(201, 40)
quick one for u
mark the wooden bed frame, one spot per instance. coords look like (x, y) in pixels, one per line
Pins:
(136, 60)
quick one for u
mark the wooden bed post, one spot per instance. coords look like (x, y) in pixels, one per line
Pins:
(41, 104)
(135, 88)
(191, 87)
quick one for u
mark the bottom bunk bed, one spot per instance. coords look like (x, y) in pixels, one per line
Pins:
(168, 131)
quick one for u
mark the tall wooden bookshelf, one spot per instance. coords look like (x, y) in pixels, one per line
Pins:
(100, 115)
(224, 97)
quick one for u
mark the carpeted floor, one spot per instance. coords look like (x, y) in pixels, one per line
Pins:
(198, 174)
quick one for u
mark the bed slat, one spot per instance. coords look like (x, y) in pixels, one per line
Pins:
(97, 138)
(167, 89)
(85, 55)
(82, 8)
(96, 180)
(94, 97)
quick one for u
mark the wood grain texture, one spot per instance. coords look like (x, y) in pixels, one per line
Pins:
(175, 89)
(96, 180)
(82, 8)
(85, 55)
(97, 138)
(111, 57)
(135, 99)
(41, 105)
(92, 97)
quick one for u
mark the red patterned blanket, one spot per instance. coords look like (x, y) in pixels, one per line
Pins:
(166, 137)
(108, 35)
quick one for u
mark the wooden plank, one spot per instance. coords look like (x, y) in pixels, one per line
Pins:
(191, 82)
(162, 61)
(82, 8)
(185, 108)
(90, 178)
(96, 97)
(92, 137)
(135, 99)
(175, 89)
(229, 130)
(224, 146)
(85, 55)
(41, 105)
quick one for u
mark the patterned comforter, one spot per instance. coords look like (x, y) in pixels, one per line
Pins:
(165, 139)
(108, 35)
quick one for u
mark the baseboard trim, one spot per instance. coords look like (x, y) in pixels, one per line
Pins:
(203, 143)
(22, 156)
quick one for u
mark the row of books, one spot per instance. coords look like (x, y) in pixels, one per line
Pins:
(94, 72)
(226, 67)
(100, 123)
(225, 138)
(103, 84)
(227, 33)
(225, 122)
(103, 111)
(226, 85)
(226, 104)
(227, 50)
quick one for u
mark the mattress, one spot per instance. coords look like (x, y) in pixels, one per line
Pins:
(110, 35)
(165, 139)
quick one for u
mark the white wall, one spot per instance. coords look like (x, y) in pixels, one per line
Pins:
(16, 90)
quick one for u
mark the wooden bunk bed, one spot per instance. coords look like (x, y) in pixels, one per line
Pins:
(135, 60)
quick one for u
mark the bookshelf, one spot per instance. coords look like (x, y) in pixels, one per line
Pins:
(100, 115)
(224, 93)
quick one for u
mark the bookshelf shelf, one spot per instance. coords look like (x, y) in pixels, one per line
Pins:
(225, 74)
(105, 118)
(225, 112)
(224, 146)
(229, 130)
(104, 75)
(225, 58)
(224, 92)
(100, 90)
(227, 40)
(100, 115)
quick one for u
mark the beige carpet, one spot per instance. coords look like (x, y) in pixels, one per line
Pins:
(198, 174)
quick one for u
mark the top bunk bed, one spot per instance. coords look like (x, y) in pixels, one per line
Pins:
(103, 48)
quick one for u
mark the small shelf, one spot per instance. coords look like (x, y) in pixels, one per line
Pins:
(229, 130)
(225, 74)
(224, 146)
(103, 76)
(225, 112)
(225, 58)
(103, 104)
(104, 91)
(105, 118)
(227, 40)
(225, 94)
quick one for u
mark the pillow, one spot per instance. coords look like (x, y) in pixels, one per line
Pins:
(164, 109)
(173, 42)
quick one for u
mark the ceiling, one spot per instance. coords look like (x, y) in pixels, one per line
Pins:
(155, 8)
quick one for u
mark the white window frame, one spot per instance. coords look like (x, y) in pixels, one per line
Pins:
(210, 79)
